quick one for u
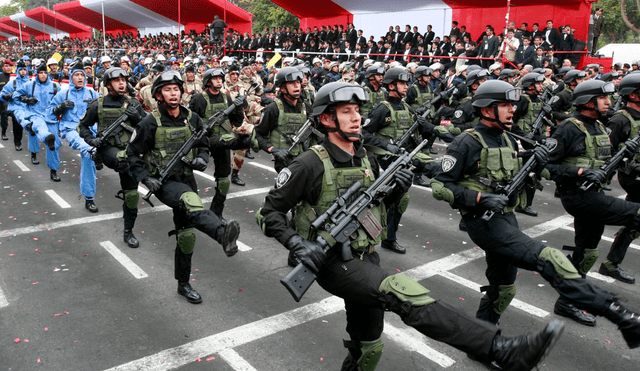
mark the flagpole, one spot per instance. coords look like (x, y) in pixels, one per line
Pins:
(104, 36)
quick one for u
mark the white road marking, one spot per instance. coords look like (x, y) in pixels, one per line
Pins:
(116, 215)
(235, 360)
(546, 227)
(132, 267)
(416, 342)
(515, 303)
(600, 277)
(22, 166)
(3, 300)
(204, 175)
(54, 196)
(605, 238)
(172, 358)
(243, 247)
(1, 146)
(428, 189)
(266, 167)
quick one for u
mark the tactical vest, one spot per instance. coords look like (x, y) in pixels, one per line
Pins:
(334, 183)
(597, 148)
(288, 125)
(420, 96)
(107, 116)
(401, 121)
(375, 97)
(526, 122)
(573, 108)
(167, 142)
(309, 96)
(213, 108)
(635, 130)
(497, 166)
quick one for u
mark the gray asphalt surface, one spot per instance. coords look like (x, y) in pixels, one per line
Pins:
(74, 306)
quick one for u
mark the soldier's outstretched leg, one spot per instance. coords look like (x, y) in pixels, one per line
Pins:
(222, 189)
(130, 213)
(394, 213)
(610, 267)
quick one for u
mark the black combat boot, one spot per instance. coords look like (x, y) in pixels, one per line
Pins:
(185, 289)
(91, 206)
(628, 323)
(525, 352)
(393, 246)
(54, 176)
(566, 309)
(4, 135)
(248, 154)
(34, 158)
(130, 239)
(227, 236)
(50, 141)
(235, 179)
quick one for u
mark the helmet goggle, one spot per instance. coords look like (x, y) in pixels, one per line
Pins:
(347, 93)
(608, 88)
(117, 74)
(170, 75)
(403, 76)
(513, 95)
(293, 76)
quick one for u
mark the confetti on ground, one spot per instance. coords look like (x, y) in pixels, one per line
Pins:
(17, 340)
(461, 298)
(35, 283)
(240, 289)
(38, 361)
(46, 329)
(608, 341)
(321, 359)
(210, 359)
(12, 254)
(199, 359)
(37, 250)
(398, 270)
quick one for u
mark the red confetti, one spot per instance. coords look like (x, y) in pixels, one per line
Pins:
(197, 270)
(199, 359)
(26, 340)
(66, 312)
(48, 229)
(608, 341)
(461, 298)
(37, 250)
(142, 232)
(193, 279)
(35, 283)
(210, 359)
(321, 359)
(38, 361)
(46, 329)
(240, 290)
(398, 270)
(75, 341)
(59, 241)
(17, 340)
(428, 242)
(12, 254)
(57, 314)
(84, 255)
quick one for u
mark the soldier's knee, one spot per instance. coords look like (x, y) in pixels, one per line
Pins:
(554, 266)
(506, 293)
(186, 240)
(223, 186)
(406, 290)
(131, 198)
(403, 204)
(371, 354)
(191, 202)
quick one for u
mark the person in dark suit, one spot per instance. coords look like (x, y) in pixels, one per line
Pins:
(536, 31)
(525, 53)
(472, 51)
(429, 35)
(372, 48)
(566, 42)
(387, 53)
(455, 31)
(352, 35)
(539, 43)
(489, 47)
(422, 52)
(524, 30)
(408, 35)
(416, 34)
(551, 35)
(390, 33)
(538, 60)
(397, 38)
(361, 40)
(463, 33)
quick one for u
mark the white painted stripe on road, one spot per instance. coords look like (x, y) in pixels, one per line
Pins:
(1, 145)
(514, 303)
(550, 226)
(206, 176)
(416, 342)
(22, 166)
(235, 360)
(428, 189)
(172, 358)
(54, 196)
(609, 239)
(243, 247)
(266, 167)
(3, 300)
(132, 267)
(116, 215)
(600, 277)
(142, 190)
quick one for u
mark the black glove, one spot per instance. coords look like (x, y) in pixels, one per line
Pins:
(280, 154)
(547, 109)
(94, 142)
(133, 115)
(426, 128)
(60, 109)
(265, 101)
(542, 155)
(8, 97)
(239, 101)
(306, 252)
(152, 184)
(67, 104)
(594, 175)
(31, 101)
(404, 179)
(493, 202)
(632, 147)
(431, 169)
(199, 164)
(393, 148)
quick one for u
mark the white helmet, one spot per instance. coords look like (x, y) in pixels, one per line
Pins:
(317, 60)
(161, 58)
(187, 60)
(87, 60)
(288, 60)
(105, 59)
(225, 59)
(412, 65)
(259, 60)
(52, 61)
(148, 60)
(124, 59)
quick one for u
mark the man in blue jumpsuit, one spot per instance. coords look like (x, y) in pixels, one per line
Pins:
(66, 108)
(31, 101)
(7, 96)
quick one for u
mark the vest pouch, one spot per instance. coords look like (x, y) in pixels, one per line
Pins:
(494, 165)
(604, 148)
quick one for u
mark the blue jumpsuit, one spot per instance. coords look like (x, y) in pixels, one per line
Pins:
(68, 125)
(36, 115)
(10, 88)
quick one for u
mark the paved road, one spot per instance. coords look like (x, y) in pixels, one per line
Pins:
(79, 299)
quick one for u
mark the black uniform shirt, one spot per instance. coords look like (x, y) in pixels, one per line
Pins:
(198, 105)
(562, 105)
(412, 95)
(571, 142)
(621, 127)
(145, 139)
(302, 181)
(269, 119)
(462, 159)
(90, 117)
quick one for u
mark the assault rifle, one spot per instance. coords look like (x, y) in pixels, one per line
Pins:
(114, 129)
(618, 105)
(180, 157)
(536, 128)
(342, 219)
(516, 184)
(304, 133)
(611, 164)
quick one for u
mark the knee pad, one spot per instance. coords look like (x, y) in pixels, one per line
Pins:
(222, 186)
(403, 204)
(440, 192)
(561, 264)
(506, 293)
(371, 354)
(406, 289)
(227, 138)
(590, 258)
(191, 202)
(186, 240)
(455, 131)
(131, 198)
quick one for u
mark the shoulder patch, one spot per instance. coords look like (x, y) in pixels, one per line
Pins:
(283, 177)
(551, 143)
(458, 113)
(448, 162)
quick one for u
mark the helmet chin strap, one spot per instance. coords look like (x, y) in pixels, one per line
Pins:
(344, 135)
(502, 125)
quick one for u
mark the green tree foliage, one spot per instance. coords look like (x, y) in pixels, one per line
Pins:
(268, 14)
(614, 29)
(12, 8)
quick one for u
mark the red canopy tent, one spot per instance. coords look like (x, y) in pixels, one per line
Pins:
(48, 23)
(26, 30)
(74, 10)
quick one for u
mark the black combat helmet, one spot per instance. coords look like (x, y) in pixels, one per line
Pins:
(338, 92)
(588, 90)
